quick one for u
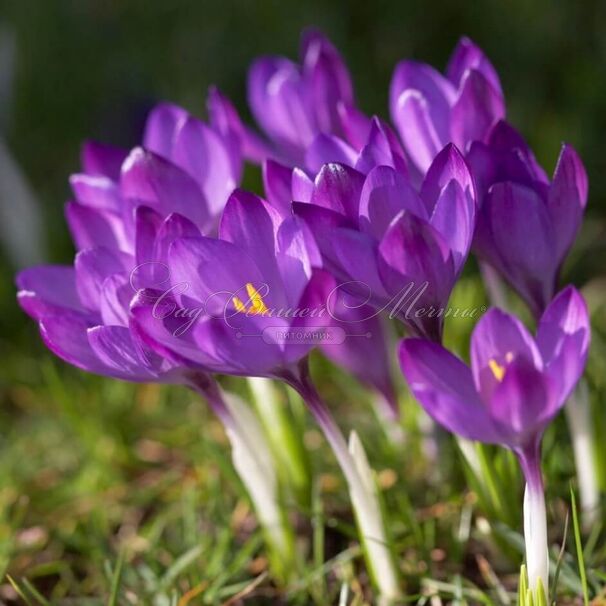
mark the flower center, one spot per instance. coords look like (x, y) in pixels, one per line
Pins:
(497, 369)
(257, 305)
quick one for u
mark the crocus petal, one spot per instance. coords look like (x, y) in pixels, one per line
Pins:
(297, 252)
(113, 346)
(354, 124)
(563, 337)
(423, 79)
(225, 120)
(327, 76)
(151, 179)
(379, 151)
(386, 192)
(417, 130)
(147, 224)
(328, 148)
(203, 154)
(357, 253)
(175, 226)
(516, 236)
(91, 227)
(93, 266)
(567, 199)
(66, 336)
(115, 296)
(277, 186)
(499, 338)
(99, 159)
(47, 289)
(338, 187)
(444, 387)
(212, 272)
(447, 166)
(321, 222)
(161, 127)
(477, 108)
(522, 404)
(302, 186)
(467, 56)
(454, 217)
(96, 190)
(364, 352)
(251, 223)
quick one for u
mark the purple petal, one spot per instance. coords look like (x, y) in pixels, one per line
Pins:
(379, 150)
(149, 178)
(454, 217)
(66, 336)
(567, 199)
(249, 222)
(99, 159)
(516, 236)
(419, 136)
(113, 346)
(467, 56)
(447, 166)
(354, 124)
(478, 107)
(302, 186)
(163, 123)
(357, 255)
(203, 154)
(430, 85)
(225, 120)
(213, 271)
(115, 297)
(48, 289)
(386, 193)
(93, 266)
(563, 337)
(327, 77)
(277, 180)
(96, 191)
(147, 224)
(338, 187)
(444, 387)
(523, 403)
(499, 338)
(328, 148)
(92, 227)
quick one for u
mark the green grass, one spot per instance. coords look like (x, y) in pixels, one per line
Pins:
(112, 493)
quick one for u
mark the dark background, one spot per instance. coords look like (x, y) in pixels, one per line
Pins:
(91, 69)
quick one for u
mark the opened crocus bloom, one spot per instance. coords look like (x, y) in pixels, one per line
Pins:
(526, 224)
(431, 110)
(514, 388)
(398, 250)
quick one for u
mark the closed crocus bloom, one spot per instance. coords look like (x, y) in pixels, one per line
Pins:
(430, 109)
(514, 388)
(293, 103)
(396, 249)
(526, 223)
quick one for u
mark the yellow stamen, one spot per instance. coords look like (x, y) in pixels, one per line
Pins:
(497, 370)
(257, 306)
(238, 304)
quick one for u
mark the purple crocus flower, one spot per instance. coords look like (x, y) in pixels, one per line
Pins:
(526, 224)
(395, 249)
(127, 208)
(294, 103)
(430, 109)
(514, 388)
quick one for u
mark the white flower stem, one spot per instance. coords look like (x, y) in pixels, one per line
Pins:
(362, 490)
(535, 520)
(254, 463)
(578, 415)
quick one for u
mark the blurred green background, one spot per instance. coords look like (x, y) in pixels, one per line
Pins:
(91, 69)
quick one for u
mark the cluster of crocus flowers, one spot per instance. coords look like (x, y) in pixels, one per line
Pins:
(181, 276)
